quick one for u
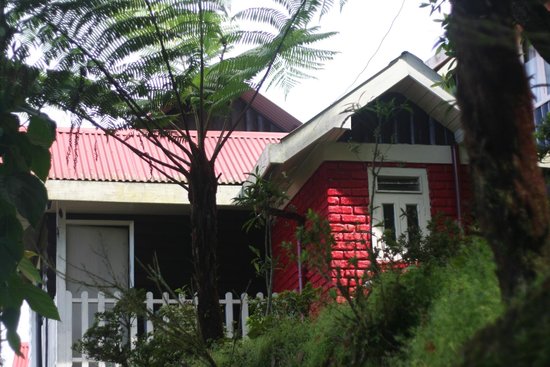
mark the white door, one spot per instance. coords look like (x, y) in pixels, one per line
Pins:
(97, 256)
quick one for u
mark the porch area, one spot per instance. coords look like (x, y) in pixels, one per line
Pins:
(78, 314)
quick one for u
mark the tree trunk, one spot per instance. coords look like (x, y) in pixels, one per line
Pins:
(497, 114)
(203, 185)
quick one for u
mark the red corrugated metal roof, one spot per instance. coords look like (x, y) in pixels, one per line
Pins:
(23, 359)
(91, 155)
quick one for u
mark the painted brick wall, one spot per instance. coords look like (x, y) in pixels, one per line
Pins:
(339, 191)
(348, 198)
(312, 195)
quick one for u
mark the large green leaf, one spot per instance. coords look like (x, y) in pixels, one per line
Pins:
(39, 301)
(27, 193)
(41, 131)
(10, 319)
(17, 289)
(9, 296)
(40, 161)
(29, 271)
(11, 246)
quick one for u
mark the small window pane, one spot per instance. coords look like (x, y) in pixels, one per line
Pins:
(395, 183)
(389, 219)
(411, 210)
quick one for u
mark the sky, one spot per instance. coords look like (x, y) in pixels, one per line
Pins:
(362, 25)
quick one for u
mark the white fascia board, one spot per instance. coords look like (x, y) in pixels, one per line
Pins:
(338, 115)
(130, 192)
(446, 100)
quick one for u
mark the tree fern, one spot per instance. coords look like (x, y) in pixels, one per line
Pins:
(166, 67)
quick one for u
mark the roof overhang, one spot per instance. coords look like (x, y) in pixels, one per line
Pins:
(407, 75)
(129, 196)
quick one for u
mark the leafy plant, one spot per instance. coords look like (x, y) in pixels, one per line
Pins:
(468, 299)
(24, 166)
(175, 340)
(287, 305)
(264, 198)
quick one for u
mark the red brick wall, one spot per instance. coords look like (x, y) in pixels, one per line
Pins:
(313, 195)
(339, 191)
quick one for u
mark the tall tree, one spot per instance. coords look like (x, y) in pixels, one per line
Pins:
(497, 113)
(167, 69)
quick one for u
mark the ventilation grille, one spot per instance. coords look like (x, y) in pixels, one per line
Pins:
(398, 184)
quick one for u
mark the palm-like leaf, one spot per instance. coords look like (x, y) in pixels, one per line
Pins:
(154, 49)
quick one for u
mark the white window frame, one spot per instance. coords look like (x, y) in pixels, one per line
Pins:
(399, 199)
(62, 245)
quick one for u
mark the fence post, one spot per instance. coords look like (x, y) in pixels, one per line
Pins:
(149, 305)
(64, 329)
(101, 308)
(228, 314)
(244, 314)
(84, 322)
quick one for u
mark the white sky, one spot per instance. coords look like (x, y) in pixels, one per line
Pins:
(361, 26)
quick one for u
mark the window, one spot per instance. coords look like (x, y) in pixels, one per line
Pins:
(398, 184)
(401, 202)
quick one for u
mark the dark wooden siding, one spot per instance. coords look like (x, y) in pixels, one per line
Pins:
(168, 236)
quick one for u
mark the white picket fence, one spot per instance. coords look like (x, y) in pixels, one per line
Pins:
(80, 316)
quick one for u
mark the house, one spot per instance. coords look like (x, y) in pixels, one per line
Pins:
(327, 165)
(108, 204)
(109, 212)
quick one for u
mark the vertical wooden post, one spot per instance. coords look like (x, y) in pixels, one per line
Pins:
(63, 299)
(228, 314)
(244, 314)
(84, 322)
(149, 305)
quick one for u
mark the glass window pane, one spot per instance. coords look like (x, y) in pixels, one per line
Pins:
(395, 183)
(411, 210)
(389, 219)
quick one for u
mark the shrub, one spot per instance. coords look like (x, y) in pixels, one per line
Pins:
(468, 300)
(287, 305)
(174, 342)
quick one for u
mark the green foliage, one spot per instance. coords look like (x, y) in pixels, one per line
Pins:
(174, 341)
(261, 195)
(443, 240)
(24, 165)
(420, 316)
(519, 338)
(287, 305)
(468, 300)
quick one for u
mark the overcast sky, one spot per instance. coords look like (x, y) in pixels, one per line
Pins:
(362, 25)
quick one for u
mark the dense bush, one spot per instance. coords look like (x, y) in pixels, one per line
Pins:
(174, 342)
(421, 316)
(418, 315)
(469, 298)
(287, 305)
(520, 338)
